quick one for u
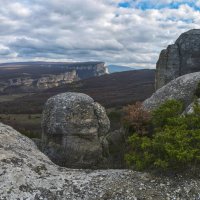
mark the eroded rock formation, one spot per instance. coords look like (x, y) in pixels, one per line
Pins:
(74, 131)
(182, 88)
(178, 59)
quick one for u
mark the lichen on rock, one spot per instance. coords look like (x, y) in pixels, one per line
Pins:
(26, 173)
(73, 126)
(182, 88)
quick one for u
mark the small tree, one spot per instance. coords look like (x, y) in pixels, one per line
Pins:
(137, 119)
(175, 143)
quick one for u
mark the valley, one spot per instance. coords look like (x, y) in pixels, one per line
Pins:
(23, 110)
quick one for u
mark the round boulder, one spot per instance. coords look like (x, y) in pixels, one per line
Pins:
(74, 128)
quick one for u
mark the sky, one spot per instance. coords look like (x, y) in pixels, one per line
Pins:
(121, 32)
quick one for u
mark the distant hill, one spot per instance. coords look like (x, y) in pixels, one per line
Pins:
(118, 68)
(111, 90)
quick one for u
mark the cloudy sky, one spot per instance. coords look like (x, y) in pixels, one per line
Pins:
(121, 32)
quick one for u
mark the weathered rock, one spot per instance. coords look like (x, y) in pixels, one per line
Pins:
(178, 59)
(182, 88)
(73, 130)
(26, 173)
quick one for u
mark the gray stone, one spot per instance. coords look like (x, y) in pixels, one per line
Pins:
(26, 173)
(73, 129)
(182, 88)
(178, 59)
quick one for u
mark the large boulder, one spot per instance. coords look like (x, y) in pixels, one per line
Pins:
(180, 58)
(182, 88)
(74, 130)
(26, 173)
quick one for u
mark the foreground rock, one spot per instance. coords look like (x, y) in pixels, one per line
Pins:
(182, 88)
(25, 173)
(178, 59)
(74, 131)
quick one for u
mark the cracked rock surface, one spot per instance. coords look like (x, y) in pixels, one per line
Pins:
(26, 173)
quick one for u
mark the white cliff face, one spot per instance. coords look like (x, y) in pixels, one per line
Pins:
(21, 81)
(51, 81)
(26, 173)
(45, 82)
(101, 69)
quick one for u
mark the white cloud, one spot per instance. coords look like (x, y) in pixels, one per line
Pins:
(89, 30)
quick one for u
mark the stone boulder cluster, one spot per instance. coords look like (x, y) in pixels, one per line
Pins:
(76, 134)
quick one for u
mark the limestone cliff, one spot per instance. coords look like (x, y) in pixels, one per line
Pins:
(180, 58)
(51, 81)
(43, 75)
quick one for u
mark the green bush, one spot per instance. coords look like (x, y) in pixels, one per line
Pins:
(169, 109)
(175, 143)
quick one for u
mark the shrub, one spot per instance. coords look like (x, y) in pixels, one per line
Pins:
(115, 119)
(169, 109)
(175, 143)
(137, 119)
(172, 148)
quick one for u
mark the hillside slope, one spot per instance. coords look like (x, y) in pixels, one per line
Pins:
(37, 76)
(110, 90)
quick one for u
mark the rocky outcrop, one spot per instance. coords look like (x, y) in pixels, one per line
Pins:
(178, 59)
(182, 88)
(74, 130)
(26, 173)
